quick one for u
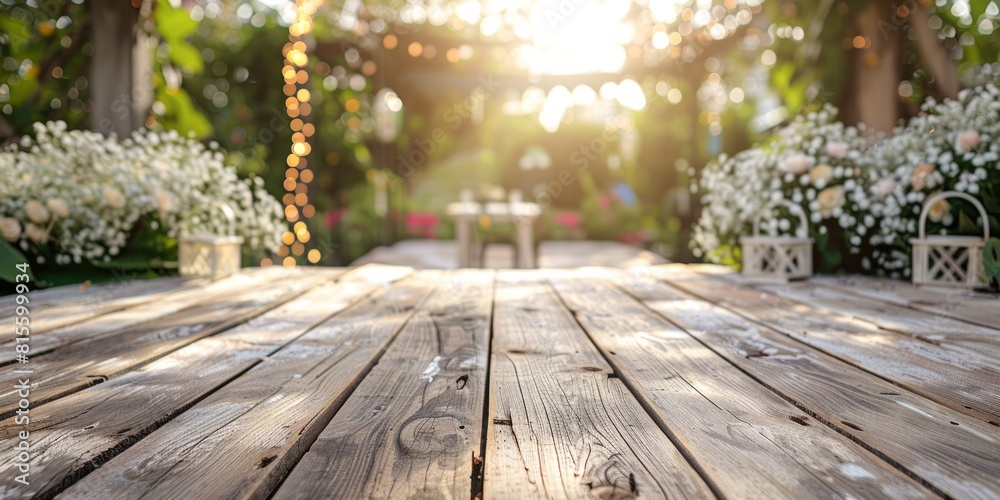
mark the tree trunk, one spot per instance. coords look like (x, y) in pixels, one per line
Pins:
(934, 55)
(113, 71)
(876, 69)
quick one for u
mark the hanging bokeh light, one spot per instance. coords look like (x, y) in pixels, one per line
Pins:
(298, 208)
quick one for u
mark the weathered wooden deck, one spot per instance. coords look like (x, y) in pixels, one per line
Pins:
(384, 382)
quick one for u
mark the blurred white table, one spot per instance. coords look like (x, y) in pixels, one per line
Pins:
(521, 214)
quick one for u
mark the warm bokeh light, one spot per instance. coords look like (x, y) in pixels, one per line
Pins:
(297, 175)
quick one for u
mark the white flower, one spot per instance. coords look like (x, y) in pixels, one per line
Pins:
(837, 149)
(966, 141)
(36, 234)
(10, 228)
(796, 163)
(36, 212)
(58, 207)
(114, 198)
(884, 187)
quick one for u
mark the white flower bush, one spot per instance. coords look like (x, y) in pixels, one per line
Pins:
(869, 191)
(82, 195)
(952, 146)
(815, 162)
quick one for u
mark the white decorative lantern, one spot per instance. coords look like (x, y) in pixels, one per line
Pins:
(211, 255)
(955, 261)
(777, 259)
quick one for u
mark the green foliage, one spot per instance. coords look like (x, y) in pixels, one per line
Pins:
(44, 65)
(9, 258)
(991, 261)
(174, 26)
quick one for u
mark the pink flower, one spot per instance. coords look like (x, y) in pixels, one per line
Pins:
(333, 218)
(796, 164)
(884, 187)
(413, 221)
(633, 237)
(966, 141)
(922, 176)
(422, 223)
(837, 149)
(604, 201)
(568, 220)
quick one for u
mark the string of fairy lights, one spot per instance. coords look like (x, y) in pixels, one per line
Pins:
(298, 175)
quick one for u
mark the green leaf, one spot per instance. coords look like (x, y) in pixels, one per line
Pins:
(181, 114)
(173, 24)
(186, 56)
(991, 258)
(832, 257)
(9, 258)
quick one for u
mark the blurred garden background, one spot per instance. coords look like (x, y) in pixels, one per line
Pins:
(664, 124)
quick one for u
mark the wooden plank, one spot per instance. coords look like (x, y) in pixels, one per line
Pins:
(946, 332)
(741, 436)
(974, 307)
(240, 441)
(73, 435)
(92, 361)
(961, 382)
(413, 427)
(78, 302)
(86, 293)
(114, 322)
(561, 425)
(957, 455)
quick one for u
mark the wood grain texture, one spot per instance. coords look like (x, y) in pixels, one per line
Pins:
(79, 432)
(85, 293)
(961, 382)
(77, 303)
(240, 441)
(968, 339)
(113, 322)
(413, 427)
(741, 436)
(561, 425)
(956, 454)
(974, 307)
(92, 361)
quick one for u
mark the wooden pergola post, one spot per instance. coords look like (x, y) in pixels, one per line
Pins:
(120, 72)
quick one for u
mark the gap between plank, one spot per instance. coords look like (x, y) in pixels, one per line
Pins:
(99, 460)
(889, 460)
(98, 379)
(646, 405)
(479, 469)
(349, 390)
(131, 440)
